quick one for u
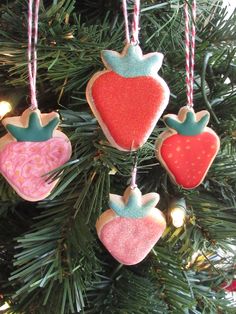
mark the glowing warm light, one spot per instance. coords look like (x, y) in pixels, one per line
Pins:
(113, 171)
(178, 216)
(177, 212)
(4, 307)
(5, 107)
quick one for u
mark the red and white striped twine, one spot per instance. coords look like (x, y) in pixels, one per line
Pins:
(135, 24)
(133, 184)
(190, 29)
(32, 50)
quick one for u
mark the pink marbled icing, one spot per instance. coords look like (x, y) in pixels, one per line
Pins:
(129, 240)
(23, 164)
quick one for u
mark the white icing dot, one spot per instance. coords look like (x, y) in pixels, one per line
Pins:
(199, 172)
(178, 149)
(212, 146)
(208, 155)
(198, 157)
(193, 164)
(170, 155)
(187, 147)
(188, 141)
(175, 162)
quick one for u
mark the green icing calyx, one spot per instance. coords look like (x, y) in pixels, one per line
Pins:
(34, 132)
(189, 126)
(135, 206)
(131, 62)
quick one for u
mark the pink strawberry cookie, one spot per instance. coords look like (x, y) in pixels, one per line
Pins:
(31, 149)
(132, 226)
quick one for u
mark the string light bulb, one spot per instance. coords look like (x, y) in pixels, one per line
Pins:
(5, 107)
(4, 307)
(178, 212)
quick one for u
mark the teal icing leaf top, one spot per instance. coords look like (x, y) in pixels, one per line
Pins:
(132, 204)
(131, 62)
(34, 132)
(190, 124)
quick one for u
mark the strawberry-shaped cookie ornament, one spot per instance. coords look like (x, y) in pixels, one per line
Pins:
(188, 147)
(132, 225)
(128, 97)
(30, 150)
(33, 147)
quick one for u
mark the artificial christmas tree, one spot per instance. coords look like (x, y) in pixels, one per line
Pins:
(51, 260)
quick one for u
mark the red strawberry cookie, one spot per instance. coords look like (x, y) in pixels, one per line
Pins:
(31, 149)
(128, 97)
(132, 226)
(188, 148)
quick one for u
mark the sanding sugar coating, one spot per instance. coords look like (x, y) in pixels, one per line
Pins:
(128, 97)
(129, 240)
(132, 227)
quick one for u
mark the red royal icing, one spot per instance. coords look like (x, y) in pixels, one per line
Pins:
(129, 107)
(189, 157)
(231, 287)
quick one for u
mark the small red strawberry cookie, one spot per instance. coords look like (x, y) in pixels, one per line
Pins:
(188, 148)
(128, 97)
(31, 149)
(132, 226)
